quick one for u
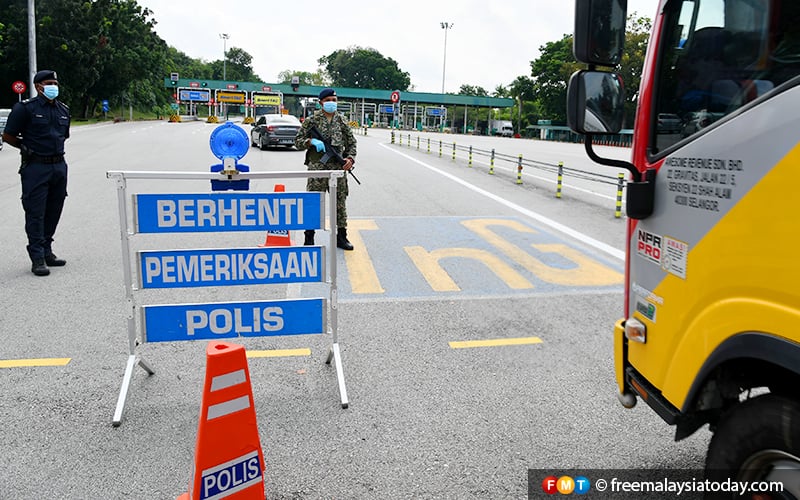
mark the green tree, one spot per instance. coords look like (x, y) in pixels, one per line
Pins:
(475, 90)
(360, 67)
(637, 36)
(551, 72)
(306, 77)
(238, 67)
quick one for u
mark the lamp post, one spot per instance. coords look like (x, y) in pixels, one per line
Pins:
(224, 37)
(446, 27)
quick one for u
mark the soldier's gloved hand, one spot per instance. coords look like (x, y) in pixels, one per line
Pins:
(319, 145)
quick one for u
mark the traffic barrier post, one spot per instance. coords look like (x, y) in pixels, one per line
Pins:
(454, 151)
(620, 183)
(440, 148)
(491, 163)
(429, 145)
(560, 178)
(470, 157)
(519, 169)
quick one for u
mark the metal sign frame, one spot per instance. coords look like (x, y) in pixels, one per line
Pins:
(127, 231)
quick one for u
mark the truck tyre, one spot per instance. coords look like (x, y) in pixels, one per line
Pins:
(758, 440)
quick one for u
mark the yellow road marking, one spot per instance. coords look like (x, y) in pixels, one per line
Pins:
(462, 344)
(440, 281)
(363, 278)
(279, 353)
(20, 363)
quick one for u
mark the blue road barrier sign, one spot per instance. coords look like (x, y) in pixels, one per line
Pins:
(226, 267)
(176, 322)
(216, 212)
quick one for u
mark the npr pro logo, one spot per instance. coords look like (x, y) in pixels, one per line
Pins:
(648, 245)
(230, 477)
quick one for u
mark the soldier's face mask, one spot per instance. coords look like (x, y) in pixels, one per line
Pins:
(329, 106)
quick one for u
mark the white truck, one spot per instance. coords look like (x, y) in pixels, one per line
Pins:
(501, 127)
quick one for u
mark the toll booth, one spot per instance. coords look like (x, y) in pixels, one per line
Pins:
(266, 102)
(435, 117)
(346, 108)
(230, 100)
(413, 116)
(386, 115)
(366, 113)
(191, 98)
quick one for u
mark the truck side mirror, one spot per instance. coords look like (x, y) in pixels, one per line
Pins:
(599, 34)
(595, 102)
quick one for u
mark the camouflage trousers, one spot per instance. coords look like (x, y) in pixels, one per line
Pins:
(341, 196)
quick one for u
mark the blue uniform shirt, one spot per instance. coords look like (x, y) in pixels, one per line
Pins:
(44, 125)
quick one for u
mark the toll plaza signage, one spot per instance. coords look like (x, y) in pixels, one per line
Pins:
(176, 322)
(266, 100)
(214, 212)
(228, 267)
(194, 95)
(231, 97)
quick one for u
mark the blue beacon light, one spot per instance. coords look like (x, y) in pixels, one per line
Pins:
(229, 143)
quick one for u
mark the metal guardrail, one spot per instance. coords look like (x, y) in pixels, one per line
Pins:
(520, 163)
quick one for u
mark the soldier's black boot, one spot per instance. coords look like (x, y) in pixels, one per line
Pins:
(341, 239)
(309, 237)
(52, 261)
(39, 268)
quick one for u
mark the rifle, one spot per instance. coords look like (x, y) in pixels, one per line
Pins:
(331, 153)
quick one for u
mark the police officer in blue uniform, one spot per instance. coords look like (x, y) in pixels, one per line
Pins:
(38, 127)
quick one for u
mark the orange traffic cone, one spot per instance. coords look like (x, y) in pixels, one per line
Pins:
(228, 461)
(279, 238)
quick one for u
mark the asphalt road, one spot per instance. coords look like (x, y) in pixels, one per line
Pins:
(426, 420)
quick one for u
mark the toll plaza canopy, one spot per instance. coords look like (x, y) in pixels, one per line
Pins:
(343, 92)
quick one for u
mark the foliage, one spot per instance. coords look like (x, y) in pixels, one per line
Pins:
(306, 77)
(637, 36)
(556, 63)
(472, 90)
(366, 68)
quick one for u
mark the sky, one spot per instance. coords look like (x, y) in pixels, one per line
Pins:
(490, 42)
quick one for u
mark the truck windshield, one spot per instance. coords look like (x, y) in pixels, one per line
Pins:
(719, 55)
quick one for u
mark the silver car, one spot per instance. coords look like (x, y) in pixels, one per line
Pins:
(274, 130)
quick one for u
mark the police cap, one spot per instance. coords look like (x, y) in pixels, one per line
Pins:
(45, 74)
(326, 93)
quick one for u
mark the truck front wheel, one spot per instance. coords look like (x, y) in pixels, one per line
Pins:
(758, 440)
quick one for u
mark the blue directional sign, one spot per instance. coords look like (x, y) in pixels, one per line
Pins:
(194, 95)
(175, 322)
(105, 106)
(227, 267)
(386, 108)
(218, 211)
(437, 112)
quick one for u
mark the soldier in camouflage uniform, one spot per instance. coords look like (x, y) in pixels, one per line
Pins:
(333, 127)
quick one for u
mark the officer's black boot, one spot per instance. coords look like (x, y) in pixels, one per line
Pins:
(309, 237)
(52, 261)
(39, 268)
(341, 239)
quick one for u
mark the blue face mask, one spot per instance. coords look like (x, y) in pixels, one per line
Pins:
(50, 91)
(329, 106)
